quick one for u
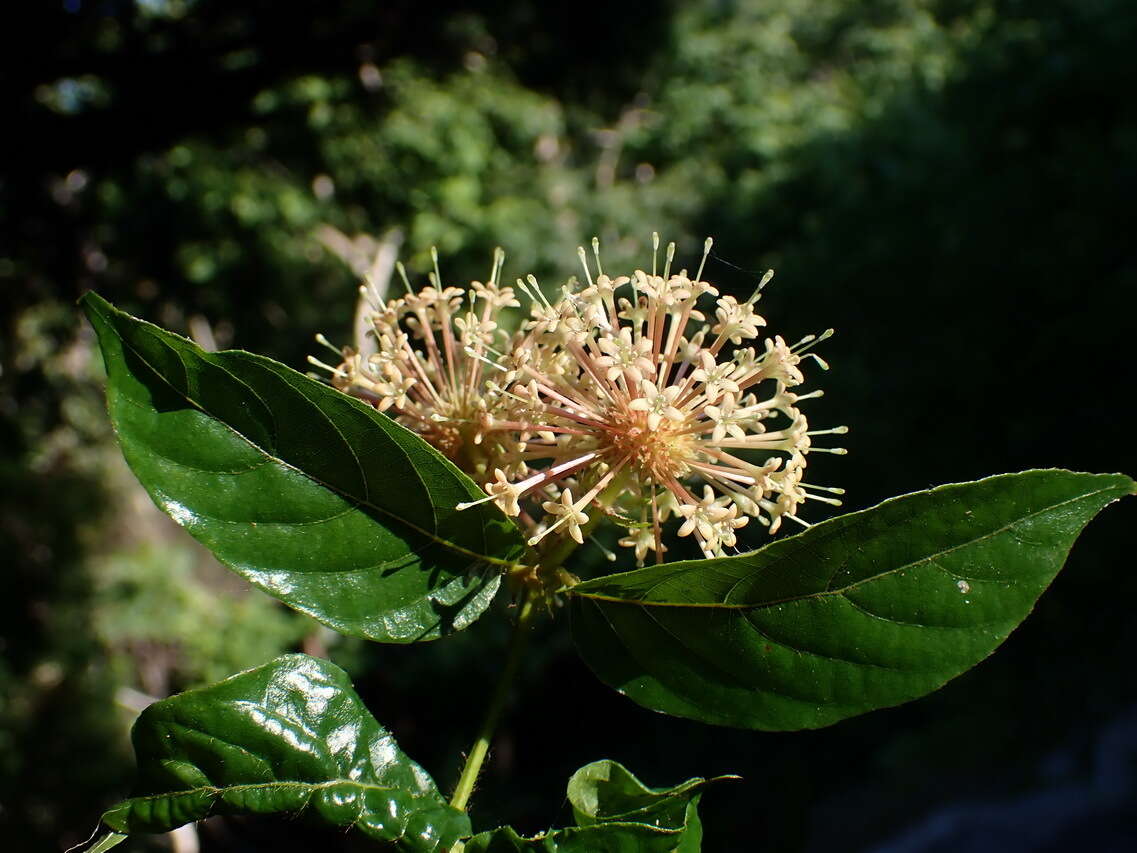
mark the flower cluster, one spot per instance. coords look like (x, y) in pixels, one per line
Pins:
(620, 399)
(423, 357)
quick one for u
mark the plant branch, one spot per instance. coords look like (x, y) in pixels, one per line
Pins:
(481, 746)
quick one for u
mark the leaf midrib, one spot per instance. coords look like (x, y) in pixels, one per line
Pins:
(840, 591)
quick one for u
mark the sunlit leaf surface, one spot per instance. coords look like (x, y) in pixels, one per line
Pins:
(864, 611)
(289, 737)
(309, 494)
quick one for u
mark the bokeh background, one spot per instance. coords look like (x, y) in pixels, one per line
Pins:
(949, 183)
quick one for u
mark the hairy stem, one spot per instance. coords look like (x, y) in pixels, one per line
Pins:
(497, 704)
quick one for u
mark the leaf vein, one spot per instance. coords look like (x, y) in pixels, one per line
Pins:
(803, 651)
(903, 622)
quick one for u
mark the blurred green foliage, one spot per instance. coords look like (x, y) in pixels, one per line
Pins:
(947, 182)
(150, 601)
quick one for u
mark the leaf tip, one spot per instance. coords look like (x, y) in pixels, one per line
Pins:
(92, 302)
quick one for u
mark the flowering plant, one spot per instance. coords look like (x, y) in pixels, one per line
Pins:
(620, 397)
(646, 400)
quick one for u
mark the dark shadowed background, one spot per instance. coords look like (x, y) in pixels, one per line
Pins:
(948, 183)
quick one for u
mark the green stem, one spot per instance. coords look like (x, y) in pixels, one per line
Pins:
(497, 704)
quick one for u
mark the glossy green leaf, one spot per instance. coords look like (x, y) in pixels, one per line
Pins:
(287, 737)
(309, 494)
(606, 791)
(860, 612)
(615, 813)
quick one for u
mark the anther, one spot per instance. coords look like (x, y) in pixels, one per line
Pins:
(757, 294)
(706, 251)
(580, 253)
(402, 270)
(498, 263)
(324, 342)
(437, 273)
(335, 371)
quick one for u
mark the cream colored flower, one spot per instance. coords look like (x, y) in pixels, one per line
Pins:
(620, 391)
(565, 512)
(430, 356)
(619, 398)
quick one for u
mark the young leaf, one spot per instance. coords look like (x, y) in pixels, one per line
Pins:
(615, 813)
(287, 737)
(860, 612)
(309, 494)
(606, 791)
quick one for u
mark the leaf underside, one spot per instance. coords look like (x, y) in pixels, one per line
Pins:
(863, 611)
(304, 491)
(288, 737)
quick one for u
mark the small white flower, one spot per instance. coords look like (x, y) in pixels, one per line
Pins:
(622, 356)
(567, 514)
(715, 377)
(505, 494)
(642, 539)
(658, 403)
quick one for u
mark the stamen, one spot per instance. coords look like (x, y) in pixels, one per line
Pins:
(554, 473)
(488, 348)
(324, 342)
(494, 388)
(370, 292)
(823, 499)
(706, 251)
(609, 555)
(670, 258)
(584, 262)
(810, 341)
(437, 273)
(831, 489)
(596, 254)
(335, 371)
(532, 279)
(498, 263)
(402, 270)
(757, 294)
(525, 289)
(654, 250)
(837, 430)
(470, 351)
(468, 504)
